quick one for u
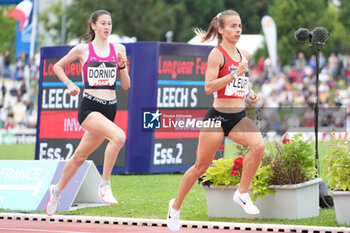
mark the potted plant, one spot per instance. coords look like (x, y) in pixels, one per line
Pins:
(283, 187)
(337, 178)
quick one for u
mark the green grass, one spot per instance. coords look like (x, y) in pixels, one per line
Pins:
(17, 152)
(147, 196)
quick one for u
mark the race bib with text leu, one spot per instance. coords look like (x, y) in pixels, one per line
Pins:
(101, 74)
(238, 87)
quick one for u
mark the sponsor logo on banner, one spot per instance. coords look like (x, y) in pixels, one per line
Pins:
(151, 120)
(176, 121)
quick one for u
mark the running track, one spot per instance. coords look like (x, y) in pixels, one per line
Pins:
(18, 226)
(40, 223)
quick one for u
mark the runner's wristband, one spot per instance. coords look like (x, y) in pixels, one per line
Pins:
(121, 68)
(69, 81)
(250, 91)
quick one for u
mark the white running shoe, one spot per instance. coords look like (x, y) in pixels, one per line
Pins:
(53, 201)
(106, 195)
(244, 200)
(173, 218)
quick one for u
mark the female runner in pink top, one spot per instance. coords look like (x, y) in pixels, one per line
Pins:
(101, 61)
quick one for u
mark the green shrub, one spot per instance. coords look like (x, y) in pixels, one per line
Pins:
(338, 160)
(291, 162)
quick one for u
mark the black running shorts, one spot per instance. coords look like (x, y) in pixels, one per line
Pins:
(89, 104)
(228, 120)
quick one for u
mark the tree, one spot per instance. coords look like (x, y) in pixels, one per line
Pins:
(344, 12)
(51, 18)
(190, 14)
(250, 16)
(149, 20)
(145, 19)
(290, 15)
(7, 31)
(344, 26)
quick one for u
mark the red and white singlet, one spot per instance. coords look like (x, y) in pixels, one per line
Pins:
(237, 88)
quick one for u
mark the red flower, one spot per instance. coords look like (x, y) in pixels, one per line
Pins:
(238, 161)
(237, 166)
(286, 140)
(221, 147)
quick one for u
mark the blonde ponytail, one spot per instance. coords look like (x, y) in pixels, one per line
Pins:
(216, 22)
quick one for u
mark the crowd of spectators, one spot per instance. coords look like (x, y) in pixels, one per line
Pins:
(18, 97)
(289, 93)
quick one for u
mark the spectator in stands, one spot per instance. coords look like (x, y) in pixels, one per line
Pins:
(322, 60)
(347, 69)
(312, 62)
(7, 61)
(29, 103)
(2, 64)
(3, 114)
(3, 90)
(10, 122)
(18, 74)
(261, 63)
(22, 90)
(333, 65)
(300, 64)
(13, 90)
(21, 61)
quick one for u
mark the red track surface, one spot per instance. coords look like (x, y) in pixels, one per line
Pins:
(25, 226)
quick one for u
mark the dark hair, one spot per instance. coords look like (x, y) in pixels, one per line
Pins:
(216, 22)
(90, 33)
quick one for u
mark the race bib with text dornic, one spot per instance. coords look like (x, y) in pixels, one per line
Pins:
(237, 87)
(101, 74)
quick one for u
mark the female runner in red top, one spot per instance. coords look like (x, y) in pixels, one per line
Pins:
(225, 78)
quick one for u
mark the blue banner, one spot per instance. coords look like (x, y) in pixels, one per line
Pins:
(168, 77)
(24, 37)
(6, 2)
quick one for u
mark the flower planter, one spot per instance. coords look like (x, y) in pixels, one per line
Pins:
(289, 202)
(341, 201)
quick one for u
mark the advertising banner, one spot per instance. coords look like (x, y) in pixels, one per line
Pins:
(58, 130)
(167, 78)
(24, 185)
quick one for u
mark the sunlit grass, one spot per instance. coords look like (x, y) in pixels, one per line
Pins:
(147, 196)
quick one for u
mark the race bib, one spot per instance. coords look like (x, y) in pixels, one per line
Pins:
(237, 87)
(101, 74)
